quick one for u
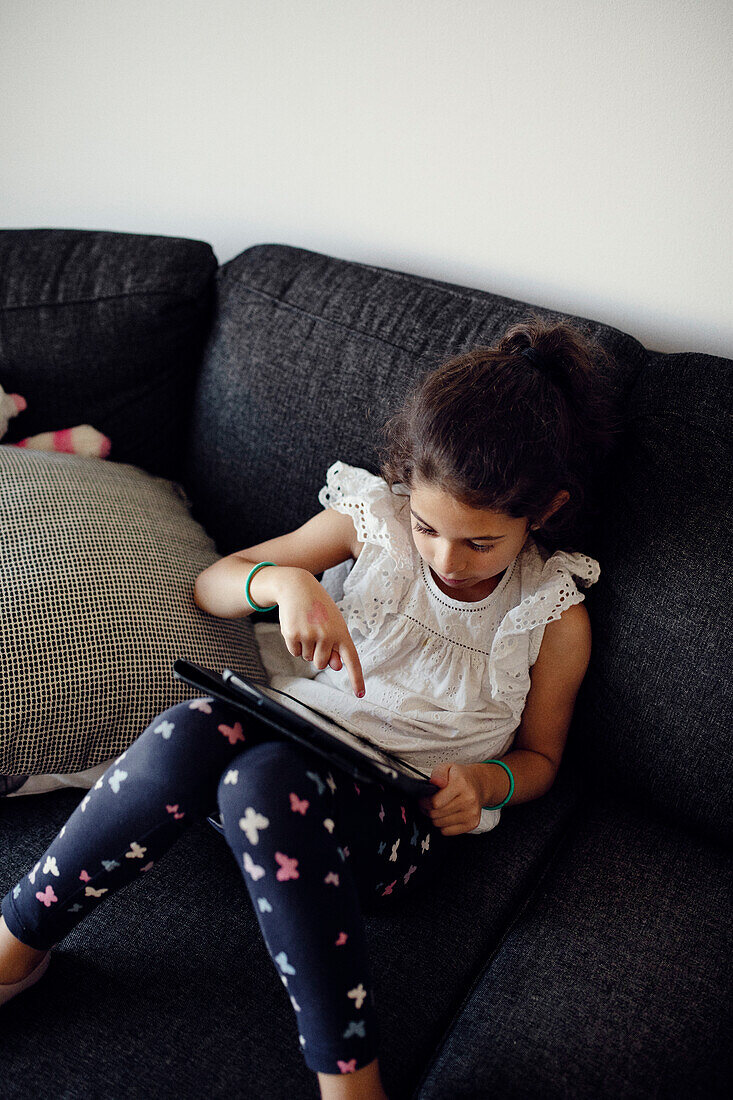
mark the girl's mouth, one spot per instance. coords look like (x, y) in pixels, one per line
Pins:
(454, 584)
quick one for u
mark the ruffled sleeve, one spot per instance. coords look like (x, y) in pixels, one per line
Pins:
(377, 512)
(551, 587)
(387, 564)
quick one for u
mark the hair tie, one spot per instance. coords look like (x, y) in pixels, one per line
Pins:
(545, 364)
(535, 356)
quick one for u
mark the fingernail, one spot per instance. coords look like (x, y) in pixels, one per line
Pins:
(360, 694)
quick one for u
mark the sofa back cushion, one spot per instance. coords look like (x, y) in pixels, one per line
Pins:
(308, 356)
(656, 703)
(105, 329)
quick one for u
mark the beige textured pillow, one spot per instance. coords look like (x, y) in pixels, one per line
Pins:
(98, 564)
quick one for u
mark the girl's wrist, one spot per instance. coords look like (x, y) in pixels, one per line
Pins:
(495, 783)
(264, 585)
(274, 579)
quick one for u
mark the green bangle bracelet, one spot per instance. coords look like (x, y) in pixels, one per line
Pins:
(250, 601)
(501, 764)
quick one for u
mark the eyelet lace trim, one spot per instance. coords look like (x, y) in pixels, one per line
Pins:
(373, 509)
(518, 639)
(466, 605)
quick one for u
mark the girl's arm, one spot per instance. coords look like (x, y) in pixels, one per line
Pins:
(556, 677)
(310, 622)
(323, 541)
(539, 744)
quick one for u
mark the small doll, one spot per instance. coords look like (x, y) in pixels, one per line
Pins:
(82, 440)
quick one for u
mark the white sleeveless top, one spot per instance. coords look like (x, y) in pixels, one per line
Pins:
(446, 680)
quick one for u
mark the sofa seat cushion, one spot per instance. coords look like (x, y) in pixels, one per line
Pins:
(612, 982)
(175, 965)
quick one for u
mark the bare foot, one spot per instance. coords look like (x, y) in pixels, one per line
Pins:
(363, 1084)
(16, 959)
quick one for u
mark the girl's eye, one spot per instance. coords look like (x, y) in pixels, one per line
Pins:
(474, 545)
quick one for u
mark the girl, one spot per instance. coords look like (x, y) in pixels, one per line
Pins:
(464, 576)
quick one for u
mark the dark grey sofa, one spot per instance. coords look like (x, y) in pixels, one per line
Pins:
(582, 949)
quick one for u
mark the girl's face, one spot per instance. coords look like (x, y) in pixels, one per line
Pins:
(467, 549)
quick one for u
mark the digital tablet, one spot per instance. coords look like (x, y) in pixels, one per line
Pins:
(353, 752)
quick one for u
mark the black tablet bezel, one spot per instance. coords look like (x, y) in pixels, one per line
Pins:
(297, 727)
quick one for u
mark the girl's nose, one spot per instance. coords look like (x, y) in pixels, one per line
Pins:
(448, 563)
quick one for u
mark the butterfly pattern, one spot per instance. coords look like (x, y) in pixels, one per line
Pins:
(252, 823)
(232, 733)
(297, 805)
(204, 705)
(47, 896)
(358, 994)
(252, 869)
(294, 844)
(136, 852)
(282, 962)
(115, 780)
(287, 867)
(317, 780)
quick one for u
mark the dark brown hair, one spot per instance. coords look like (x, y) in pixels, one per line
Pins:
(496, 430)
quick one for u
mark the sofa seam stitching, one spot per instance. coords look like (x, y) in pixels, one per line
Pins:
(324, 320)
(426, 282)
(100, 298)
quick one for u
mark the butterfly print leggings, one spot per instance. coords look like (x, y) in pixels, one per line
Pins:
(315, 848)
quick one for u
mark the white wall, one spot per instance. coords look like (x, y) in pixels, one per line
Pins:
(576, 154)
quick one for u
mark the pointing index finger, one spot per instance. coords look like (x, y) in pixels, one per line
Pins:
(350, 658)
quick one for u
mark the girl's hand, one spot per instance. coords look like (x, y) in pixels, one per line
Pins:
(314, 628)
(457, 807)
